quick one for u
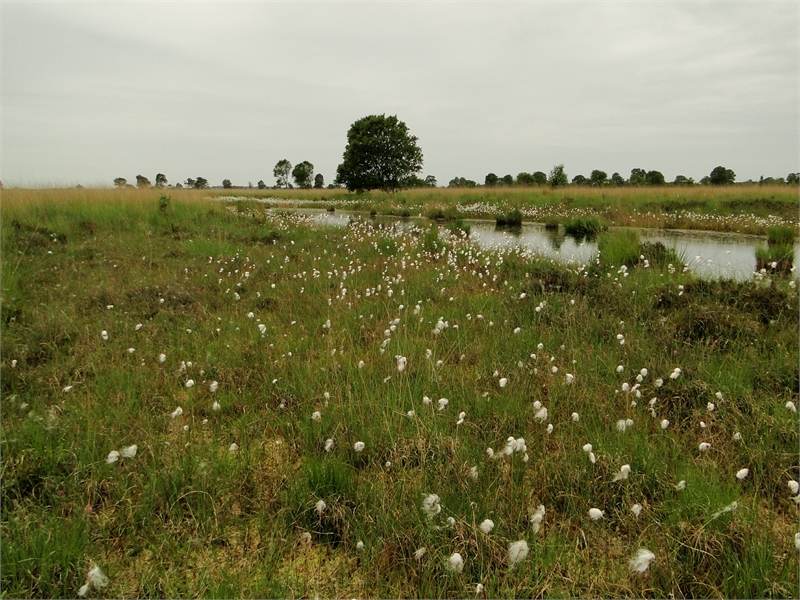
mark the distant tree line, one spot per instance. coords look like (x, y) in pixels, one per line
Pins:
(597, 178)
(303, 177)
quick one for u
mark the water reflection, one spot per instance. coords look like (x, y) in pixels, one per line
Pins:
(707, 253)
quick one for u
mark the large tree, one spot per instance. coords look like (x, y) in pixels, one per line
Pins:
(303, 174)
(558, 178)
(319, 181)
(380, 154)
(598, 177)
(281, 173)
(161, 180)
(142, 181)
(722, 176)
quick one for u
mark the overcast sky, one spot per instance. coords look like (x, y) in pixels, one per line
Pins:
(94, 91)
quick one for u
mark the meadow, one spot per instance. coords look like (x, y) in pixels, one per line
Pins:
(220, 399)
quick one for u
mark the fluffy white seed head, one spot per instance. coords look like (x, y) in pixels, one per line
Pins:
(595, 514)
(112, 457)
(486, 526)
(213, 386)
(320, 506)
(358, 446)
(431, 505)
(517, 552)
(177, 412)
(328, 445)
(742, 473)
(664, 424)
(636, 509)
(129, 451)
(455, 563)
(794, 487)
(641, 562)
(420, 552)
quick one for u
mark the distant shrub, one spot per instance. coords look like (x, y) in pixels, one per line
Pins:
(584, 226)
(512, 218)
(619, 248)
(780, 235)
(163, 203)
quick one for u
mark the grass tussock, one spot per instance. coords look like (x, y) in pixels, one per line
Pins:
(331, 379)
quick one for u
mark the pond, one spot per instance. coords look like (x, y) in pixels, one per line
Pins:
(707, 253)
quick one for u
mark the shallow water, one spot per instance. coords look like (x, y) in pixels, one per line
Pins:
(708, 253)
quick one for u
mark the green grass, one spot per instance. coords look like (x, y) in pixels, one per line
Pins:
(187, 517)
(584, 226)
(781, 236)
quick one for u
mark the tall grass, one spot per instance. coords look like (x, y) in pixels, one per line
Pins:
(189, 516)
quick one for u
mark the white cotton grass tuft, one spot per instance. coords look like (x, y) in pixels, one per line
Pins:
(328, 445)
(189, 383)
(517, 552)
(320, 507)
(664, 424)
(177, 412)
(478, 589)
(486, 526)
(536, 519)
(316, 416)
(704, 447)
(213, 387)
(576, 417)
(790, 406)
(797, 540)
(570, 378)
(641, 562)
(503, 382)
(549, 428)
(431, 505)
(129, 451)
(94, 578)
(358, 446)
(624, 424)
(233, 447)
(455, 563)
(420, 552)
(67, 389)
(473, 473)
(620, 369)
(587, 448)
(675, 373)
(730, 508)
(681, 485)
(443, 402)
(623, 473)
(794, 487)
(636, 509)
(595, 514)
(216, 406)
(104, 335)
(541, 414)
(359, 545)
(162, 358)
(112, 457)
(742, 473)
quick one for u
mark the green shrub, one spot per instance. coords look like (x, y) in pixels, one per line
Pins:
(619, 248)
(584, 226)
(512, 218)
(781, 236)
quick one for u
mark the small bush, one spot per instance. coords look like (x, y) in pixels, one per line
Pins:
(584, 226)
(781, 236)
(163, 203)
(512, 218)
(619, 248)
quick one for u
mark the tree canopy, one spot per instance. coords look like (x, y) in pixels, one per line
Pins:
(303, 174)
(721, 176)
(281, 173)
(380, 154)
(558, 178)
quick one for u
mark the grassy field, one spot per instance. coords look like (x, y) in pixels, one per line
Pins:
(305, 459)
(745, 209)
